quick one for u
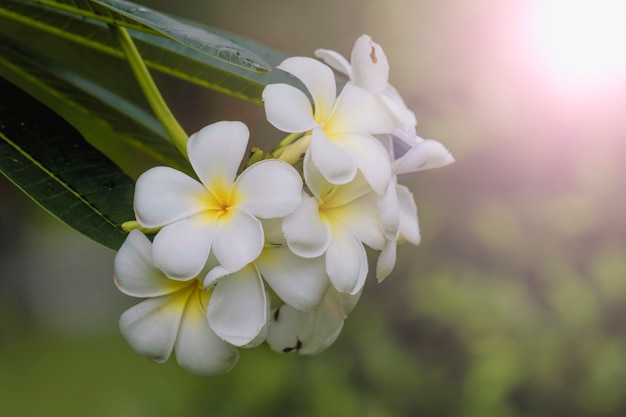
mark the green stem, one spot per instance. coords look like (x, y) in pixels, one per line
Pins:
(288, 140)
(150, 89)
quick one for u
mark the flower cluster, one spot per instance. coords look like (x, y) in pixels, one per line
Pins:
(273, 253)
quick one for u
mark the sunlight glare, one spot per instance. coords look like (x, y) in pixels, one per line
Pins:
(581, 41)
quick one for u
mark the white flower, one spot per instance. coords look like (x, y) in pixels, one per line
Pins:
(173, 316)
(218, 214)
(368, 68)
(339, 129)
(336, 221)
(310, 332)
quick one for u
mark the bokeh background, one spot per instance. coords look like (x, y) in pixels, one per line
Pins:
(513, 305)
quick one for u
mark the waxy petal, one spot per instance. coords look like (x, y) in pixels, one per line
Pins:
(330, 194)
(362, 218)
(370, 68)
(151, 326)
(317, 78)
(346, 261)
(136, 275)
(216, 151)
(164, 195)
(358, 110)
(238, 239)
(389, 211)
(299, 282)
(239, 308)
(335, 60)
(403, 117)
(198, 349)
(306, 233)
(269, 189)
(181, 249)
(334, 162)
(386, 260)
(409, 225)
(290, 329)
(288, 109)
(307, 332)
(371, 158)
(428, 154)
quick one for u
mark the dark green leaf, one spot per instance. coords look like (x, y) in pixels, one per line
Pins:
(50, 161)
(80, 43)
(134, 16)
(124, 132)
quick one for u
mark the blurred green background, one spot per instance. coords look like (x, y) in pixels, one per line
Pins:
(513, 305)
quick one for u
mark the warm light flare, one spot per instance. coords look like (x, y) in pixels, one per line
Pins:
(581, 41)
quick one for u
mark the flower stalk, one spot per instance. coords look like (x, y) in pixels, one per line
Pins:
(151, 91)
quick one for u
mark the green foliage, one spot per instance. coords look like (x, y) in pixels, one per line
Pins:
(63, 55)
(50, 161)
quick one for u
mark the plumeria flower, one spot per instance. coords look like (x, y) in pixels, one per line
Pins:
(368, 68)
(173, 316)
(219, 214)
(336, 221)
(310, 332)
(337, 130)
(299, 282)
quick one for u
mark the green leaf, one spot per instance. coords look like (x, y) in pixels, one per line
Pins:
(50, 161)
(79, 43)
(122, 131)
(134, 16)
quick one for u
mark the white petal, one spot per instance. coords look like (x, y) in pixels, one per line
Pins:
(335, 60)
(362, 218)
(238, 239)
(269, 189)
(164, 195)
(216, 151)
(198, 349)
(317, 78)
(370, 156)
(334, 162)
(346, 261)
(328, 326)
(307, 332)
(151, 326)
(315, 181)
(370, 68)
(390, 211)
(290, 328)
(425, 155)
(136, 275)
(409, 226)
(288, 109)
(239, 308)
(214, 274)
(358, 110)
(338, 195)
(181, 249)
(306, 233)
(299, 282)
(403, 117)
(386, 260)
